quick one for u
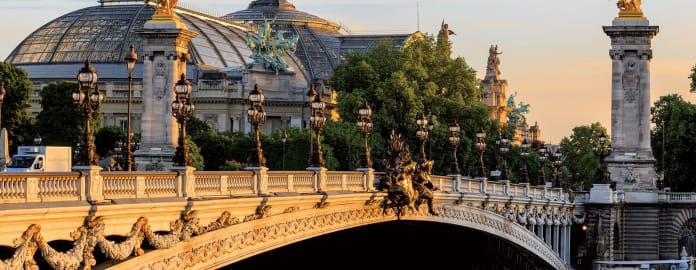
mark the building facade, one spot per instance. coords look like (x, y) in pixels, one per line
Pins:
(217, 66)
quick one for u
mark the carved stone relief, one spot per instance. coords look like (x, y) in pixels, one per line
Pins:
(631, 79)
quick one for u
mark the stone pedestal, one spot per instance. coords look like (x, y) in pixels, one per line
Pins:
(260, 178)
(93, 185)
(321, 178)
(601, 193)
(631, 164)
(370, 184)
(165, 52)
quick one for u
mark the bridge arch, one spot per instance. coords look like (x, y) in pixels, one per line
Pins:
(678, 228)
(232, 244)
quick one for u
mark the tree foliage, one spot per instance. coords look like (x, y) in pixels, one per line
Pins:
(673, 141)
(59, 122)
(16, 117)
(400, 84)
(581, 161)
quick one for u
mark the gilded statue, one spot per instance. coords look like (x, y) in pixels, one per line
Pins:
(164, 6)
(629, 5)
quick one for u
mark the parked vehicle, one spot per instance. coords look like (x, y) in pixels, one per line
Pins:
(41, 159)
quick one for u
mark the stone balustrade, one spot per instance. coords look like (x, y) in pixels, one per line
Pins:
(82, 185)
(677, 197)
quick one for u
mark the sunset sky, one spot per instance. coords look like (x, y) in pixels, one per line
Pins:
(555, 54)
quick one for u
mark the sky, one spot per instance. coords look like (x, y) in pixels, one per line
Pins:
(555, 55)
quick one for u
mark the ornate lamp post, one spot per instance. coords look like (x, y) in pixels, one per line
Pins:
(87, 98)
(365, 126)
(257, 116)
(524, 154)
(131, 59)
(543, 157)
(422, 133)
(454, 130)
(182, 110)
(504, 149)
(2, 99)
(284, 138)
(317, 122)
(310, 97)
(557, 155)
(603, 151)
(431, 126)
(481, 146)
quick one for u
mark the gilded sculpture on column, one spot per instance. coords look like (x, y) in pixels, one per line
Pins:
(164, 10)
(629, 5)
(630, 9)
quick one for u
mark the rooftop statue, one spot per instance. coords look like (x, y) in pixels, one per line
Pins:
(629, 5)
(516, 116)
(164, 6)
(493, 59)
(269, 51)
(444, 29)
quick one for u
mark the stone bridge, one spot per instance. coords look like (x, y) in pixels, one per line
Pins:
(205, 220)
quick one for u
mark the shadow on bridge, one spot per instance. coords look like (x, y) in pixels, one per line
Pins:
(402, 244)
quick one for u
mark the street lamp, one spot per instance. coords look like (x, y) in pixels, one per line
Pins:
(454, 130)
(422, 133)
(603, 151)
(504, 149)
(317, 122)
(557, 165)
(481, 146)
(365, 126)
(524, 154)
(118, 152)
(87, 98)
(182, 110)
(543, 156)
(37, 139)
(131, 59)
(257, 116)
(310, 97)
(2, 98)
(284, 138)
(431, 126)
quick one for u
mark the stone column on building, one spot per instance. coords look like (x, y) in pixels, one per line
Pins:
(165, 53)
(631, 163)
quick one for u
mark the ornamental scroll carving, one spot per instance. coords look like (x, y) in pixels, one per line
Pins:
(91, 235)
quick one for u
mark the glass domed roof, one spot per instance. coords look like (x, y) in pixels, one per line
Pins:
(104, 33)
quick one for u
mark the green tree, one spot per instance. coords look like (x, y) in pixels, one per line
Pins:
(673, 140)
(400, 84)
(580, 158)
(60, 122)
(16, 117)
(692, 87)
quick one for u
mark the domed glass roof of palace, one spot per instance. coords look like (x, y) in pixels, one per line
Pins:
(104, 33)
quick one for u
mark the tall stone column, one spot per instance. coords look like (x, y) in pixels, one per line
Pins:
(631, 164)
(165, 51)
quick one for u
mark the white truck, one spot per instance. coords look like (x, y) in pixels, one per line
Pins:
(41, 159)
